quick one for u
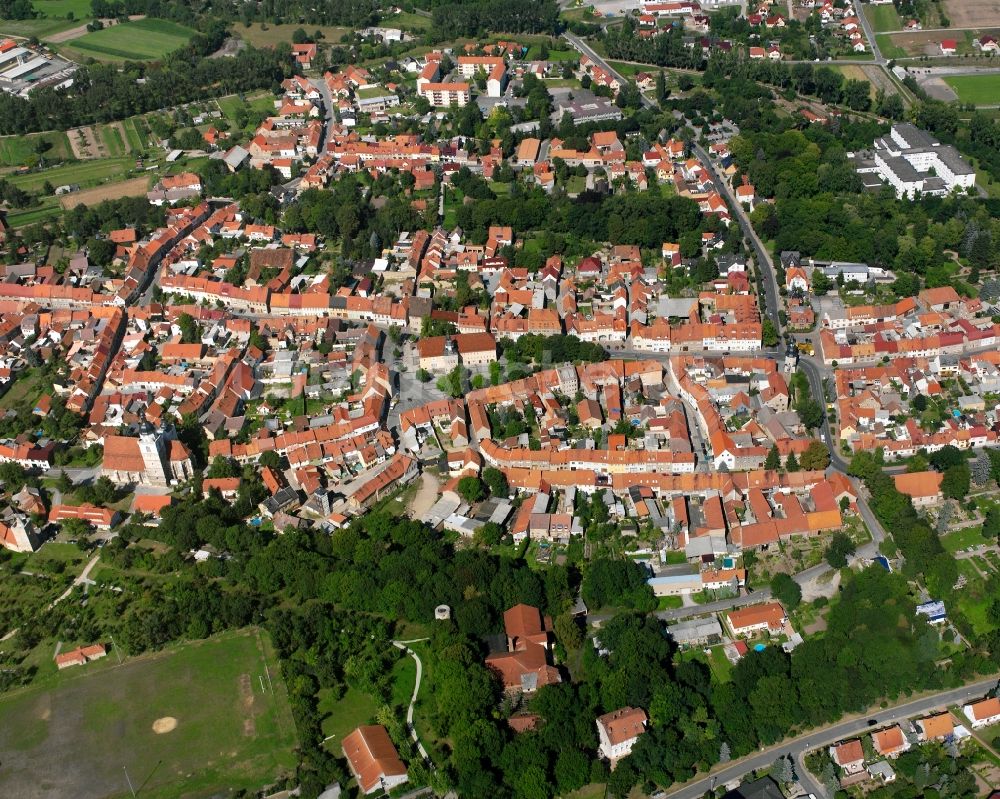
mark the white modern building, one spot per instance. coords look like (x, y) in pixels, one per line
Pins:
(911, 161)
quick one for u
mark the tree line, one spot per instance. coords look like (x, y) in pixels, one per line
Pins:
(644, 218)
(477, 17)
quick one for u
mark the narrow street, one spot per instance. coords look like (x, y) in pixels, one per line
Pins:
(870, 35)
(761, 257)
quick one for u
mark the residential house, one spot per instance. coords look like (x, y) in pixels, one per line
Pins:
(525, 666)
(850, 756)
(988, 44)
(935, 727)
(890, 742)
(984, 713)
(373, 759)
(769, 617)
(923, 488)
(619, 730)
(80, 656)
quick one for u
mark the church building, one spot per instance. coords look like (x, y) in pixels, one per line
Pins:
(155, 458)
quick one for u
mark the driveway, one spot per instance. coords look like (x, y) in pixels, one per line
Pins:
(428, 493)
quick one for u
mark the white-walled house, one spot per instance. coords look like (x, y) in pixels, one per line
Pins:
(619, 730)
(984, 713)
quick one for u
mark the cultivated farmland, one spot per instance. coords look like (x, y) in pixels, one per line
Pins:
(972, 13)
(109, 191)
(201, 719)
(141, 40)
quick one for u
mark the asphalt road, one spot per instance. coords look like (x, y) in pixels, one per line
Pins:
(870, 35)
(761, 257)
(798, 746)
(814, 373)
(330, 119)
(676, 614)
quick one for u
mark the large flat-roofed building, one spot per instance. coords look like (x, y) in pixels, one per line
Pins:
(445, 94)
(912, 161)
(596, 110)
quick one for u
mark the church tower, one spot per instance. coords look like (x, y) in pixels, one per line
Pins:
(791, 357)
(152, 444)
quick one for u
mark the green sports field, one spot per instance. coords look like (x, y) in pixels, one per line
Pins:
(141, 40)
(221, 728)
(976, 89)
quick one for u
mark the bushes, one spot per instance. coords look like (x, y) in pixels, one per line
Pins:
(552, 349)
(617, 583)
(786, 591)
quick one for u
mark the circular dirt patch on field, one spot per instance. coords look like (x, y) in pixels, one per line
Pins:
(166, 724)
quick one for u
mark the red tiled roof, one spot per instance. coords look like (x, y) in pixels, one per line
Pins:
(372, 756)
(771, 613)
(623, 724)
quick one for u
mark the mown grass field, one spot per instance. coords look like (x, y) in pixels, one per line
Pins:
(83, 173)
(272, 35)
(962, 539)
(49, 208)
(888, 47)
(78, 734)
(340, 716)
(28, 383)
(976, 89)
(883, 18)
(254, 104)
(40, 26)
(141, 40)
(974, 599)
(59, 9)
(20, 150)
(409, 21)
